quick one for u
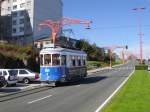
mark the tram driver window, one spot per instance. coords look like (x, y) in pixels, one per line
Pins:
(41, 59)
(56, 59)
(47, 59)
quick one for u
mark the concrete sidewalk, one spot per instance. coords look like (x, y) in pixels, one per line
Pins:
(104, 68)
(97, 70)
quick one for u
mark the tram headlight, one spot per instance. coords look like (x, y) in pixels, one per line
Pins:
(63, 75)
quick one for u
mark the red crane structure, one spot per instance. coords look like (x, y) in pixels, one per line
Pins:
(140, 9)
(56, 26)
(112, 48)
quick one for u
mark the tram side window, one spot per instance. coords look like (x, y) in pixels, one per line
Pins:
(47, 59)
(56, 59)
(79, 61)
(41, 59)
(73, 61)
(63, 60)
(84, 61)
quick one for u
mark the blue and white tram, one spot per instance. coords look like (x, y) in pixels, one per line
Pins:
(62, 65)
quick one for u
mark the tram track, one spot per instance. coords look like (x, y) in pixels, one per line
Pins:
(11, 96)
(82, 96)
(14, 95)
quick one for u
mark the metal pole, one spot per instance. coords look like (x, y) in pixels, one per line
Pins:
(110, 58)
(141, 34)
(141, 38)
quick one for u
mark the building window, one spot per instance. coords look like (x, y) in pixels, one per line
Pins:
(14, 7)
(21, 21)
(14, 30)
(21, 29)
(14, 0)
(14, 22)
(14, 14)
(9, 8)
(29, 3)
(22, 5)
(29, 11)
(22, 13)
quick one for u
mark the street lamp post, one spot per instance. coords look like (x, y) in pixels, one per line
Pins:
(140, 32)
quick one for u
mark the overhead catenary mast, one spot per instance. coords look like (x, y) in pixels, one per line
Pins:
(112, 48)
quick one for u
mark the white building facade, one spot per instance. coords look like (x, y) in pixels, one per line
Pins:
(27, 14)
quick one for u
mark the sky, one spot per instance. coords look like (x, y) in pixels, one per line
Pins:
(114, 22)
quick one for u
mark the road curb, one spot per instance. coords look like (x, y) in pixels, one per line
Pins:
(104, 68)
(114, 93)
(97, 70)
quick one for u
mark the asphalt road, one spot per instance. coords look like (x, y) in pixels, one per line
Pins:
(82, 96)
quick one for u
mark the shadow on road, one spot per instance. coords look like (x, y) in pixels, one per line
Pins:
(10, 90)
(88, 80)
(17, 88)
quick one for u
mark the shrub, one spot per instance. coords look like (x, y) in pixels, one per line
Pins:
(14, 56)
(141, 67)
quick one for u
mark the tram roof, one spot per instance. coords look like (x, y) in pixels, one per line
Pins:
(61, 50)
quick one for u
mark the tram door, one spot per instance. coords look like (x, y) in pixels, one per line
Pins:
(63, 64)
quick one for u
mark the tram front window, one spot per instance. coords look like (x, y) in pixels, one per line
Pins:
(47, 59)
(56, 59)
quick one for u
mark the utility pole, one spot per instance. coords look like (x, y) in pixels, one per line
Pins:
(111, 49)
(140, 32)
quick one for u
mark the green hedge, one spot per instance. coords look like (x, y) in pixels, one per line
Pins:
(93, 64)
(141, 67)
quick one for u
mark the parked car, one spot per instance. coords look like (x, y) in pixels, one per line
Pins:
(9, 75)
(27, 76)
(148, 68)
(2, 80)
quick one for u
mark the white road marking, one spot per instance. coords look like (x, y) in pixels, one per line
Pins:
(110, 97)
(77, 85)
(39, 99)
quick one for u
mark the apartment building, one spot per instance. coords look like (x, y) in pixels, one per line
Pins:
(27, 14)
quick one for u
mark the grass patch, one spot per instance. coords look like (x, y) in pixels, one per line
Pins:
(117, 62)
(134, 96)
(96, 64)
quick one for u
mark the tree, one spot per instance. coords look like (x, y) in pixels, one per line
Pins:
(94, 53)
